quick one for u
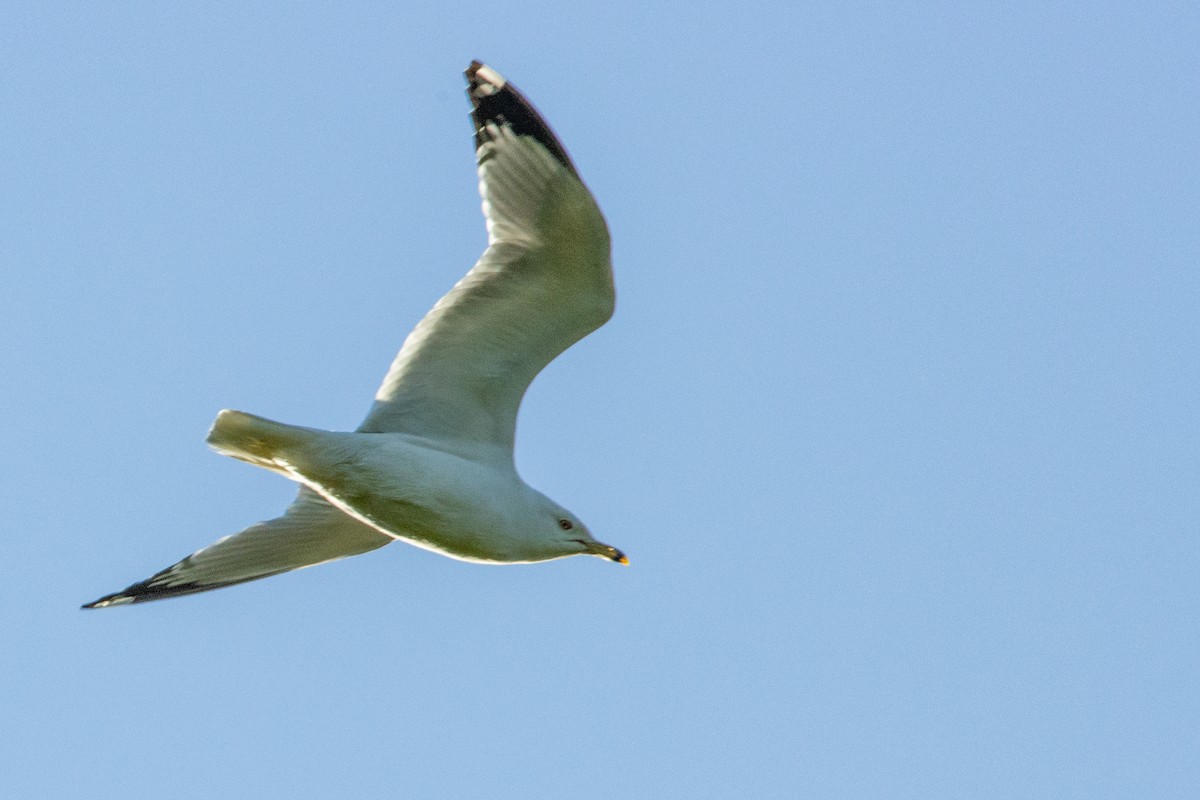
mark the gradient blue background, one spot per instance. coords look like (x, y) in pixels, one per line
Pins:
(898, 418)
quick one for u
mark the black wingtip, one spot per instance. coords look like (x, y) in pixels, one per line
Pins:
(148, 590)
(496, 101)
(120, 598)
(137, 593)
(473, 68)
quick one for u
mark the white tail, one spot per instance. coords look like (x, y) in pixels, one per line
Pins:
(256, 440)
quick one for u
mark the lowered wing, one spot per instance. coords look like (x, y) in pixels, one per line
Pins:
(310, 532)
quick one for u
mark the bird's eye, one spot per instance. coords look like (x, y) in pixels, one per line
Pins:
(565, 524)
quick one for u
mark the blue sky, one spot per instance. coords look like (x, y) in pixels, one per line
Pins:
(897, 418)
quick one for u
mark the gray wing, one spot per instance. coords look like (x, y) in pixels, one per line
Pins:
(310, 532)
(544, 282)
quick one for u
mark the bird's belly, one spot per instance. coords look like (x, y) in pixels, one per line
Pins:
(430, 499)
(457, 552)
(452, 529)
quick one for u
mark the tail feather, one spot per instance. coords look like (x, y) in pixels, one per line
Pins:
(256, 440)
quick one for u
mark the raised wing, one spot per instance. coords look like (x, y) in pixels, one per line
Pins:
(544, 282)
(310, 532)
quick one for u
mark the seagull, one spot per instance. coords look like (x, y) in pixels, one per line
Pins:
(432, 463)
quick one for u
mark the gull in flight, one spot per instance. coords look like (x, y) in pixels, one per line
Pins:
(432, 463)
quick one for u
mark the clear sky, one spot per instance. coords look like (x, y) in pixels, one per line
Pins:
(898, 418)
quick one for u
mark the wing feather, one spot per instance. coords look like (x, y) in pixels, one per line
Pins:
(544, 282)
(310, 532)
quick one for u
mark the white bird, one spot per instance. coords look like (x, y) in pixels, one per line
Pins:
(432, 464)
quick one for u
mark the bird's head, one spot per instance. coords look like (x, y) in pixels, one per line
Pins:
(576, 539)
